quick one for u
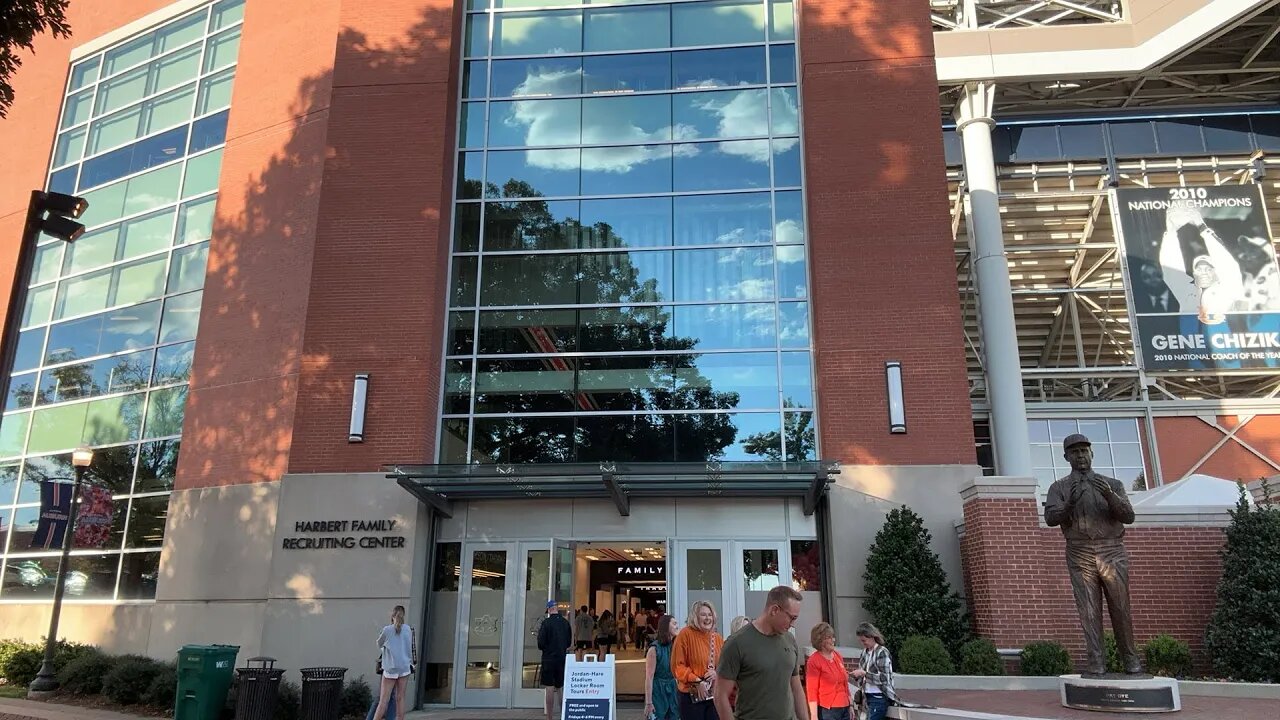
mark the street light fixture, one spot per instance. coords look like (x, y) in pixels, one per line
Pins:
(46, 681)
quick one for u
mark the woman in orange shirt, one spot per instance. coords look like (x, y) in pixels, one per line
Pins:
(694, 655)
(826, 682)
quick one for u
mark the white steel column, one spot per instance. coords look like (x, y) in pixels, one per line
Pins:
(995, 296)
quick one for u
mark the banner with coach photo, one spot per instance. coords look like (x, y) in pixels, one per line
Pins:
(1201, 276)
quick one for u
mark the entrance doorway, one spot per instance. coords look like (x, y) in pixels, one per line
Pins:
(504, 587)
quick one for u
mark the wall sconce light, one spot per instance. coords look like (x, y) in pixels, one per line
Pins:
(897, 408)
(359, 397)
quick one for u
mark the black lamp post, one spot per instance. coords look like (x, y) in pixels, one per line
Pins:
(46, 680)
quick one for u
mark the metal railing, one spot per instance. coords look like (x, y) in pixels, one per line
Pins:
(991, 14)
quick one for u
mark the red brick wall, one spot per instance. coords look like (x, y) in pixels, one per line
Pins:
(881, 262)
(378, 281)
(244, 383)
(1016, 578)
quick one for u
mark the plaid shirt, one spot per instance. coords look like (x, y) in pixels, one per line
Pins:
(879, 668)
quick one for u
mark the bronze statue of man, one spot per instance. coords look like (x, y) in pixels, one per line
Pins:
(1093, 510)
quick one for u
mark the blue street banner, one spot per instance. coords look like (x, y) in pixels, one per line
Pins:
(55, 510)
(1201, 276)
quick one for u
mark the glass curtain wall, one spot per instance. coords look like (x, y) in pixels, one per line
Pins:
(107, 334)
(628, 275)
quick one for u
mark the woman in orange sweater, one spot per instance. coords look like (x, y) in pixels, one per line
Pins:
(693, 663)
(826, 682)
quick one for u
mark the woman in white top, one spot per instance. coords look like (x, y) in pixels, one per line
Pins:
(399, 658)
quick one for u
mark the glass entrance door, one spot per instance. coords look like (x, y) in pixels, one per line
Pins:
(733, 575)
(485, 676)
(504, 593)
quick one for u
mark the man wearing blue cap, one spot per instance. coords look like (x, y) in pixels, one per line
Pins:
(555, 640)
(1092, 510)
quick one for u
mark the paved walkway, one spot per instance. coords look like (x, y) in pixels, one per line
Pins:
(1047, 704)
(33, 710)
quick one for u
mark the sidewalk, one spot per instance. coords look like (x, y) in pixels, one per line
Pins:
(32, 710)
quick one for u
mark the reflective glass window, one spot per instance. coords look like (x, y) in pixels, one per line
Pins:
(793, 277)
(544, 33)
(475, 78)
(38, 306)
(605, 74)
(723, 114)
(157, 465)
(752, 379)
(626, 222)
(187, 267)
(30, 345)
(531, 225)
(22, 391)
(786, 163)
(793, 324)
(726, 326)
(476, 37)
(626, 118)
(226, 13)
(165, 409)
(782, 63)
(538, 77)
(146, 234)
(457, 387)
(209, 131)
(195, 221)
(626, 170)
(471, 125)
(627, 28)
(625, 329)
(202, 174)
(69, 147)
(789, 216)
(221, 50)
(717, 23)
(533, 173)
(181, 318)
(110, 332)
(722, 219)
(462, 286)
(781, 20)
(85, 72)
(721, 67)
(470, 175)
(173, 363)
(784, 112)
(523, 386)
(527, 331)
(531, 123)
(215, 92)
(461, 339)
(732, 165)
(733, 275)
(77, 108)
(466, 227)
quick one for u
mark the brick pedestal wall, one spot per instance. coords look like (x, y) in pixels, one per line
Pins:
(1016, 576)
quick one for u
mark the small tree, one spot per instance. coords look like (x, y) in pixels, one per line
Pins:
(1243, 637)
(907, 589)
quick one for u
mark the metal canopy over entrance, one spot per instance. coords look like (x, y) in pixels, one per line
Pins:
(439, 486)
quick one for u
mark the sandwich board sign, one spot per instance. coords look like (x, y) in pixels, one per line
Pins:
(589, 689)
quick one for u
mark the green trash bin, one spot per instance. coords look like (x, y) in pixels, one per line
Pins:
(204, 677)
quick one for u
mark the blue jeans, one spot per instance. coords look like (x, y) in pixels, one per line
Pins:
(877, 706)
(391, 705)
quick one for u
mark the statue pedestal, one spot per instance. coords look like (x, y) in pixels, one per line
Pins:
(1121, 693)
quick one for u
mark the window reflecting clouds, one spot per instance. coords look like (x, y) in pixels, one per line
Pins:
(629, 278)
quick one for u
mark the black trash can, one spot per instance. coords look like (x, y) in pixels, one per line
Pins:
(259, 689)
(322, 693)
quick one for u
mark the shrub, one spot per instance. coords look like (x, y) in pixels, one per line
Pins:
(289, 705)
(23, 664)
(1115, 664)
(907, 588)
(356, 698)
(1168, 656)
(1243, 638)
(65, 652)
(980, 657)
(163, 689)
(925, 656)
(129, 678)
(7, 649)
(84, 674)
(1045, 658)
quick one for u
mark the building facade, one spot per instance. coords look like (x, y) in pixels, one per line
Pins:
(445, 304)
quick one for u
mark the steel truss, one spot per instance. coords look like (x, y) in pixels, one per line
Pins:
(1070, 309)
(1237, 65)
(988, 14)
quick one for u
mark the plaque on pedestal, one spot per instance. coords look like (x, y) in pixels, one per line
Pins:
(1121, 693)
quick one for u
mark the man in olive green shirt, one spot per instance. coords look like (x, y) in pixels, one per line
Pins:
(762, 660)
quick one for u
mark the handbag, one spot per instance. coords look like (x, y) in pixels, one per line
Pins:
(711, 664)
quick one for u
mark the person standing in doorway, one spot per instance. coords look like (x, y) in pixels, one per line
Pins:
(606, 631)
(660, 685)
(693, 663)
(875, 672)
(555, 640)
(624, 624)
(762, 663)
(826, 682)
(584, 628)
(399, 659)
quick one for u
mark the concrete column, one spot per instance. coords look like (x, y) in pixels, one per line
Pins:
(995, 298)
